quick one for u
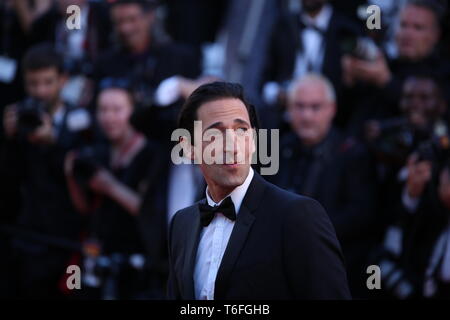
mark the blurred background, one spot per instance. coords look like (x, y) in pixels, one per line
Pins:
(87, 114)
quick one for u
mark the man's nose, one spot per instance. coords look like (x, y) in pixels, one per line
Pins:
(41, 92)
(307, 113)
(230, 141)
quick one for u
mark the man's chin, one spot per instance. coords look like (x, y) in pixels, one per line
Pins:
(232, 174)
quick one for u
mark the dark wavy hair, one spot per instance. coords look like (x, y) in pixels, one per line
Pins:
(210, 92)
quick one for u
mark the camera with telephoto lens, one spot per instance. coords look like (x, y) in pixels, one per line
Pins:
(359, 47)
(436, 149)
(394, 142)
(29, 116)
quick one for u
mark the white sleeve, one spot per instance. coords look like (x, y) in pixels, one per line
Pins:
(168, 92)
(270, 92)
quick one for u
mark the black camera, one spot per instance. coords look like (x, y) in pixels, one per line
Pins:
(436, 149)
(29, 116)
(85, 165)
(360, 47)
(395, 141)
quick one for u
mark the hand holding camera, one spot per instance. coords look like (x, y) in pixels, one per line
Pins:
(43, 134)
(375, 71)
(28, 120)
(102, 182)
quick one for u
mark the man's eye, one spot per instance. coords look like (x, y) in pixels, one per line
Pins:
(241, 130)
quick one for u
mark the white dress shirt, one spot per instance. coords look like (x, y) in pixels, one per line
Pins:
(213, 241)
(310, 59)
(313, 43)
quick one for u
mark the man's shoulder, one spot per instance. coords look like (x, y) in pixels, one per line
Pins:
(182, 216)
(287, 201)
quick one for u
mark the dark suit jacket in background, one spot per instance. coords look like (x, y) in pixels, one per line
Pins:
(282, 246)
(285, 45)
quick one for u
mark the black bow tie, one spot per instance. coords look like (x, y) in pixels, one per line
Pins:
(207, 212)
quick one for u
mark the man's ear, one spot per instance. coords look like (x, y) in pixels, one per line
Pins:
(188, 148)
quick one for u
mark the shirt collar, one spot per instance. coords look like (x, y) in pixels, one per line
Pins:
(237, 195)
(322, 20)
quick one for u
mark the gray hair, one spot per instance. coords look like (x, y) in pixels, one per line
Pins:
(313, 78)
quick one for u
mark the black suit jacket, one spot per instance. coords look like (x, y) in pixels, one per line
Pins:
(285, 44)
(282, 246)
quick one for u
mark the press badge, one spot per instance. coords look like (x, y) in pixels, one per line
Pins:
(8, 68)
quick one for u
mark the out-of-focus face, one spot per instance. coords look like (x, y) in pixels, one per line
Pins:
(313, 5)
(114, 109)
(45, 84)
(311, 112)
(132, 24)
(231, 114)
(64, 4)
(421, 102)
(417, 33)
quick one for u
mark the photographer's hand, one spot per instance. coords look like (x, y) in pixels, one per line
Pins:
(419, 173)
(44, 133)
(68, 163)
(102, 182)
(105, 183)
(10, 121)
(444, 187)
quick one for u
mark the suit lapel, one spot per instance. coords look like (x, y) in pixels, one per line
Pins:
(243, 224)
(190, 255)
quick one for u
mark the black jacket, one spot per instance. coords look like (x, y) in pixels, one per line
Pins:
(339, 173)
(285, 44)
(283, 246)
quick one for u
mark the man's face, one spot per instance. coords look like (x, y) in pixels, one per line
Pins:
(421, 102)
(417, 34)
(132, 24)
(44, 84)
(311, 112)
(230, 117)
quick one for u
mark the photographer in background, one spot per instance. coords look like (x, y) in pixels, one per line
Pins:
(393, 140)
(304, 42)
(79, 47)
(375, 83)
(39, 131)
(417, 189)
(157, 68)
(118, 185)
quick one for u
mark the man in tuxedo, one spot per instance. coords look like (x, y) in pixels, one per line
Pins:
(248, 239)
(304, 42)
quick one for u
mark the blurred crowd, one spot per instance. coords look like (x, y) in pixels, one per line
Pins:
(86, 176)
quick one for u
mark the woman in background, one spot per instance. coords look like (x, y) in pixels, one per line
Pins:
(116, 183)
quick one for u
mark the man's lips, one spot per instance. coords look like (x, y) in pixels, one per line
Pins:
(231, 165)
